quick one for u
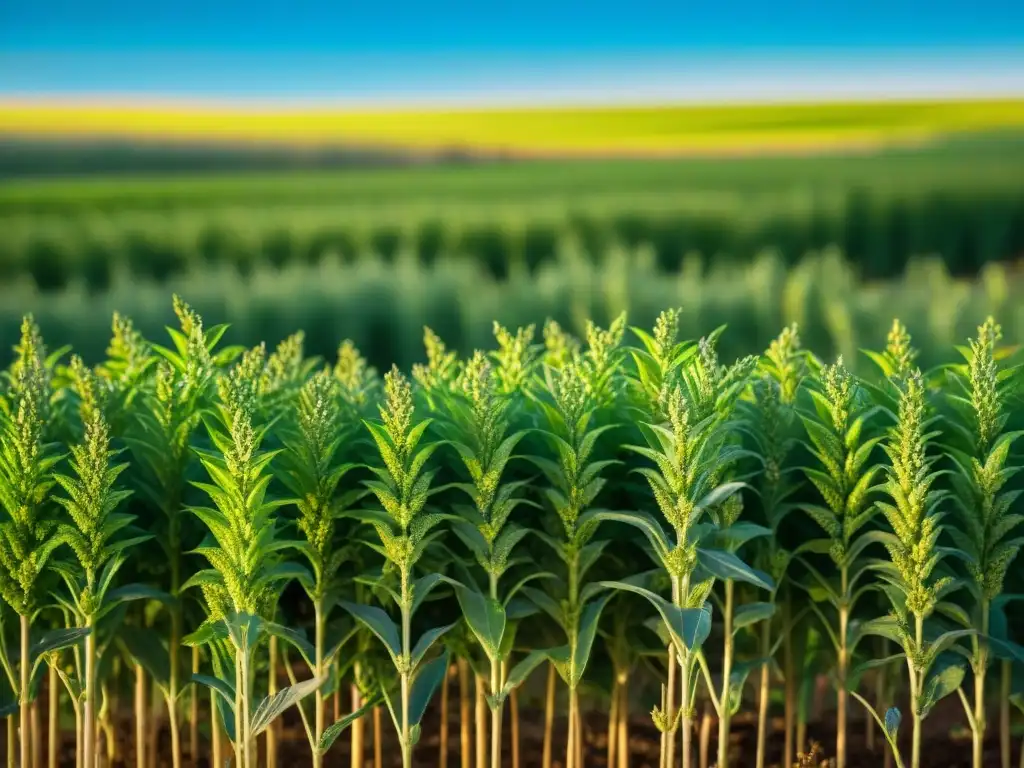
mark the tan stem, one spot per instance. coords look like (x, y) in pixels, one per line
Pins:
(706, 722)
(789, 671)
(481, 723)
(140, 716)
(216, 744)
(193, 724)
(724, 716)
(25, 737)
(623, 737)
(513, 701)
(12, 741)
(764, 694)
(89, 718)
(53, 728)
(358, 731)
(613, 723)
(465, 750)
(549, 717)
(271, 690)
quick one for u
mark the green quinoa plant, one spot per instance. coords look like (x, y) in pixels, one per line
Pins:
(985, 524)
(840, 440)
(310, 468)
(768, 417)
(99, 537)
(912, 578)
(574, 397)
(243, 548)
(404, 527)
(27, 534)
(686, 399)
(478, 429)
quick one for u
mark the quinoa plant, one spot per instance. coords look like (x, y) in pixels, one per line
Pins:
(243, 548)
(769, 415)
(99, 537)
(684, 426)
(574, 397)
(310, 468)
(839, 432)
(912, 579)
(479, 430)
(27, 534)
(985, 523)
(404, 528)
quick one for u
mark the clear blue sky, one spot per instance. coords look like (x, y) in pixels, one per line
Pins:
(372, 48)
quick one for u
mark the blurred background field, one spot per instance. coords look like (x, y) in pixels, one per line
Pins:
(837, 195)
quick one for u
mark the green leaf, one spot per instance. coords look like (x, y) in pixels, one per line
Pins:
(942, 680)
(293, 637)
(223, 687)
(725, 565)
(485, 617)
(584, 640)
(689, 627)
(521, 671)
(424, 686)
(427, 639)
(55, 640)
(752, 613)
(332, 732)
(379, 623)
(273, 706)
(208, 632)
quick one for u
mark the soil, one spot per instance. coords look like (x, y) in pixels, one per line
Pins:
(946, 744)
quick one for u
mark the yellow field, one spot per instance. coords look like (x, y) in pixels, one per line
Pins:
(526, 131)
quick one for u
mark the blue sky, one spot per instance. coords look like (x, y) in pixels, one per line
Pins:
(504, 50)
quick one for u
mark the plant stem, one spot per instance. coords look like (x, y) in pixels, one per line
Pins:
(481, 723)
(680, 592)
(406, 654)
(842, 664)
(549, 716)
(216, 747)
(916, 689)
(358, 730)
(241, 746)
(378, 739)
(271, 690)
(764, 693)
(318, 695)
(89, 720)
(442, 747)
(140, 716)
(571, 748)
(980, 668)
(23, 695)
(53, 725)
(613, 722)
(37, 736)
(193, 729)
(464, 714)
(623, 726)
(724, 715)
(496, 709)
(514, 706)
(78, 735)
(705, 737)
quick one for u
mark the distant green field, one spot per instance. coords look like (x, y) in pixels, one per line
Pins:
(962, 200)
(967, 164)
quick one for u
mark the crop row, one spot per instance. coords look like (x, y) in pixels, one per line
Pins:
(880, 235)
(160, 505)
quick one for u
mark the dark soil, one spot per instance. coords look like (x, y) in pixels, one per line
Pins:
(945, 744)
